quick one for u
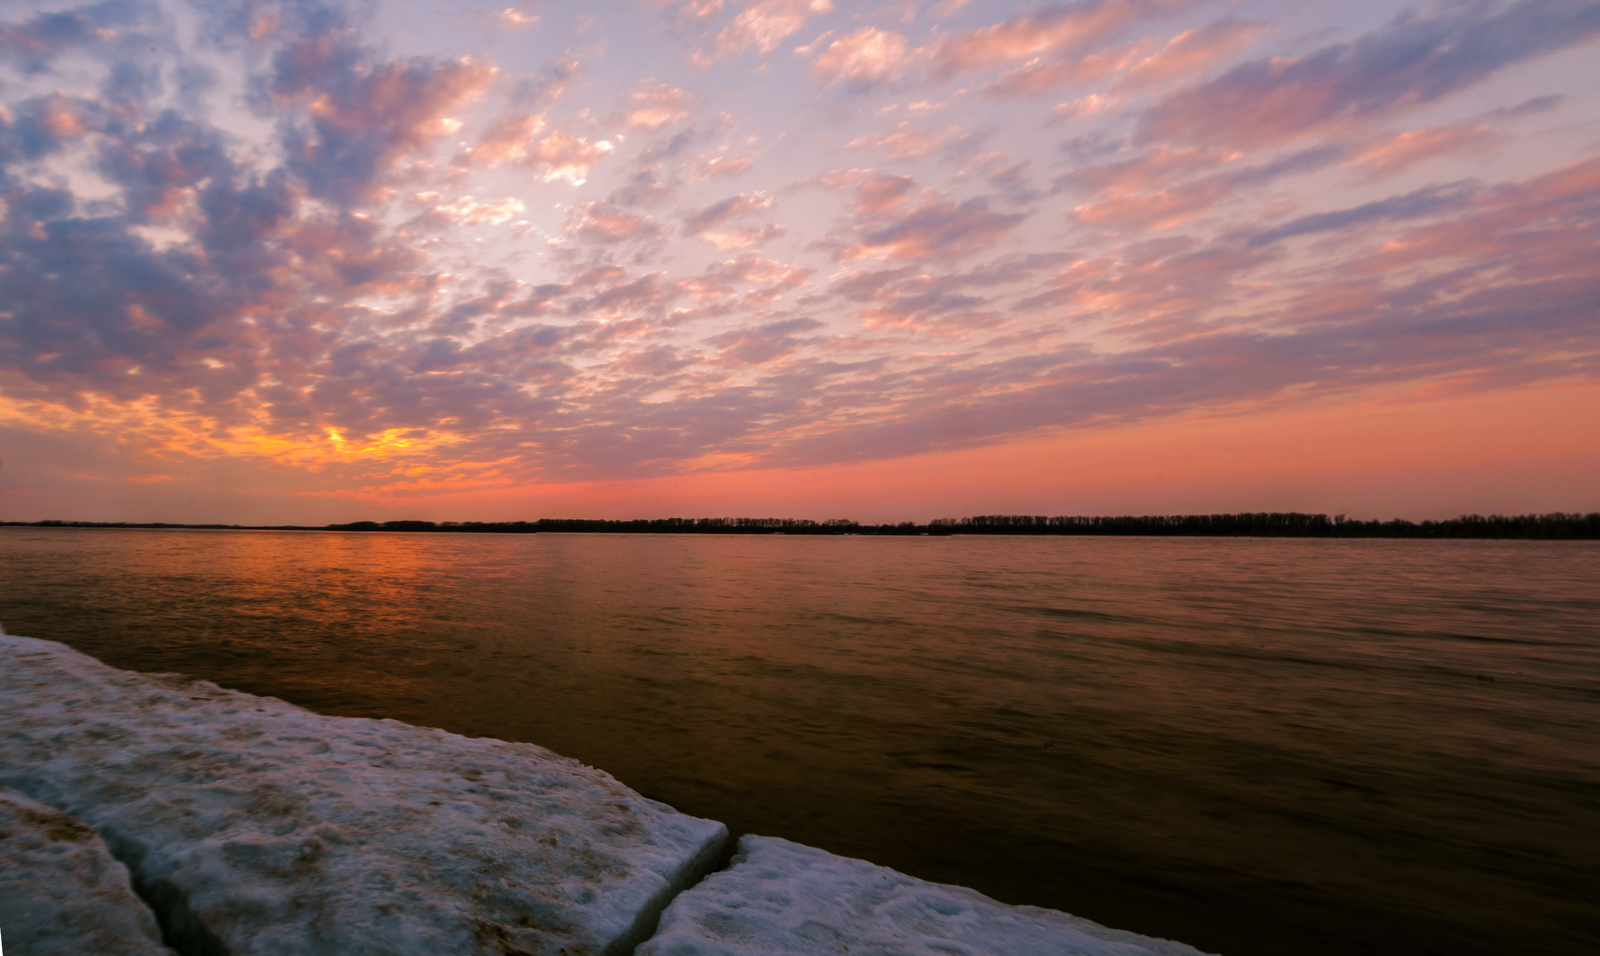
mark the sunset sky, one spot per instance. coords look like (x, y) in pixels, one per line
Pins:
(268, 262)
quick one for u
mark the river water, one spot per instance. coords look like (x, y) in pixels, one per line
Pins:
(1254, 746)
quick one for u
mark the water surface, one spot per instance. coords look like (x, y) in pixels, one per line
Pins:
(1253, 746)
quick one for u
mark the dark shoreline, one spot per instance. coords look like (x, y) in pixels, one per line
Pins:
(1553, 526)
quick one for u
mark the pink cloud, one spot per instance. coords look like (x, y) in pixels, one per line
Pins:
(909, 298)
(880, 192)
(907, 142)
(465, 210)
(655, 104)
(763, 344)
(366, 118)
(763, 24)
(1038, 74)
(940, 229)
(514, 17)
(1542, 219)
(606, 223)
(863, 59)
(1052, 29)
(721, 167)
(507, 140)
(722, 211)
(1162, 209)
(515, 140)
(1398, 152)
(1159, 286)
(1150, 193)
(1410, 61)
(564, 156)
(1190, 52)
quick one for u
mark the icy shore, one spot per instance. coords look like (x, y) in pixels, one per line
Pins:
(61, 893)
(783, 899)
(251, 826)
(255, 827)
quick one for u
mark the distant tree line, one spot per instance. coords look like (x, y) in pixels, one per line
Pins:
(1276, 524)
(1557, 525)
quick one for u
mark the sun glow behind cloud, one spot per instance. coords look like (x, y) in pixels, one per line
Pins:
(400, 254)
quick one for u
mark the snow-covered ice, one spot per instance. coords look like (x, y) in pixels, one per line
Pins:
(252, 826)
(61, 893)
(783, 899)
(256, 827)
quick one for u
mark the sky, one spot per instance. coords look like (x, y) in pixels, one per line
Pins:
(313, 261)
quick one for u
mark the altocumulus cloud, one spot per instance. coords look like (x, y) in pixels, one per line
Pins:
(308, 236)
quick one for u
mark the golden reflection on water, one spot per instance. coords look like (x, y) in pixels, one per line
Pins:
(1252, 746)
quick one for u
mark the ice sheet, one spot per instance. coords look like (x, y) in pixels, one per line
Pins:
(61, 893)
(783, 899)
(257, 827)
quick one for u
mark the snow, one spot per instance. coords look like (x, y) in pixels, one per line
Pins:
(61, 893)
(257, 827)
(780, 898)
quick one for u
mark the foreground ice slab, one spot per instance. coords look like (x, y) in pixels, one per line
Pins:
(255, 827)
(61, 893)
(781, 898)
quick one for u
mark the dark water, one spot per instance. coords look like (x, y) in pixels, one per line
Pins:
(1254, 746)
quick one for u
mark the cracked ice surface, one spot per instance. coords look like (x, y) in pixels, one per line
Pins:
(61, 893)
(257, 827)
(783, 899)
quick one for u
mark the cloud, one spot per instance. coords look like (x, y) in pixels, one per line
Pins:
(712, 222)
(864, 59)
(763, 24)
(722, 167)
(1421, 202)
(1053, 29)
(941, 230)
(1399, 152)
(1155, 286)
(467, 211)
(161, 166)
(47, 124)
(1148, 194)
(354, 117)
(654, 105)
(879, 192)
(1412, 60)
(763, 344)
(202, 285)
(564, 156)
(506, 141)
(908, 298)
(513, 17)
(1039, 75)
(35, 42)
(904, 141)
(1190, 52)
(603, 222)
